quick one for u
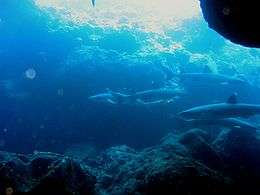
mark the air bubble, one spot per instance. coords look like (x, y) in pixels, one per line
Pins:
(35, 152)
(30, 73)
(42, 126)
(226, 11)
(79, 39)
(60, 92)
(9, 191)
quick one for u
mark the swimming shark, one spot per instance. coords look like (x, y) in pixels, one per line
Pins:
(229, 109)
(148, 97)
(110, 97)
(211, 78)
(208, 77)
(157, 95)
(230, 123)
(103, 97)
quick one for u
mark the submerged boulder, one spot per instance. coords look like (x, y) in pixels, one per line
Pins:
(240, 149)
(195, 141)
(237, 145)
(165, 169)
(184, 164)
(236, 20)
(44, 173)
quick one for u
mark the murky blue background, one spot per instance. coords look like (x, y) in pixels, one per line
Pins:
(55, 54)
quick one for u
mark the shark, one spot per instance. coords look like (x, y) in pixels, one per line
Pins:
(109, 97)
(147, 97)
(103, 98)
(157, 95)
(230, 123)
(208, 77)
(229, 109)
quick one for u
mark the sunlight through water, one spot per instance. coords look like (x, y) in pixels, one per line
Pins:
(148, 15)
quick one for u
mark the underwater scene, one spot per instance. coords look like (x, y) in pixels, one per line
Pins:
(125, 97)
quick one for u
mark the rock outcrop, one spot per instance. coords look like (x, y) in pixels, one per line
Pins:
(237, 20)
(44, 173)
(189, 163)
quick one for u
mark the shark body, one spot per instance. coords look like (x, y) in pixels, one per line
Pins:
(229, 109)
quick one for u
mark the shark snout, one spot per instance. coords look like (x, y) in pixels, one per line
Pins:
(188, 115)
(182, 113)
(91, 97)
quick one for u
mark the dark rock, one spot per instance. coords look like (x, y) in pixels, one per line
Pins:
(200, 149)
(110, 163)
(159, 170)
(240, 150)
(232, 144)
(44, 173)
(193, 135)
(171, 142)
(236, 20)
(184, 164)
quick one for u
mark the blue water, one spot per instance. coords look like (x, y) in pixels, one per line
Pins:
(51, 61)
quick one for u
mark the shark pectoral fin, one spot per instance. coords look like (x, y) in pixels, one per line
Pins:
(111, 101)
(178, 117)
(156, 102)
(140, 101)
(172, 100)
(237, 127)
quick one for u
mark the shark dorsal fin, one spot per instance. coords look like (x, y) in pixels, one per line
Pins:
(207, 69)
(232, 99)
